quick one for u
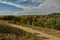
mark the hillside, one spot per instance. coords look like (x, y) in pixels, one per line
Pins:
(49, 24)
(11, 33)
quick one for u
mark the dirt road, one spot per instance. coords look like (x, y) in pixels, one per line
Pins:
(36, 32)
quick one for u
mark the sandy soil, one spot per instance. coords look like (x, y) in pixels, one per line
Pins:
(36, 32)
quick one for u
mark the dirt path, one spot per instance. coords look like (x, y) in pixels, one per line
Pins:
(36, 32)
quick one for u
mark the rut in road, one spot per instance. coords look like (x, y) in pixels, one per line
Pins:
(36, 32)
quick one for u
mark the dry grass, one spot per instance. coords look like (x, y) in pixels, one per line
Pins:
(10, 33)
(46, 30)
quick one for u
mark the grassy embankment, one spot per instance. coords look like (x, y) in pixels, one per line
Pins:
(11, 33)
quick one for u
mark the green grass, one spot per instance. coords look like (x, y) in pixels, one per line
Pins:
(11, 33)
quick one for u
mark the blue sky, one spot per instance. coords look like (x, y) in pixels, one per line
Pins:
(28, 7)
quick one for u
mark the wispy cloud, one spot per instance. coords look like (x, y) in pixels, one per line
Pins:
(49, 6)
(26, 8)
(45, 7)
(36, 1)
(1, 12)
(22, 0)
(16, 5)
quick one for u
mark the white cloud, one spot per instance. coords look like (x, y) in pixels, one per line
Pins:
(5, 11)
(36, 1)
(26, 9)
(33, 1)
(49, 6)
(1, 12)
(17, 5)
(22, 0)
(0, 0)
(45, 7)
(23, 13)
